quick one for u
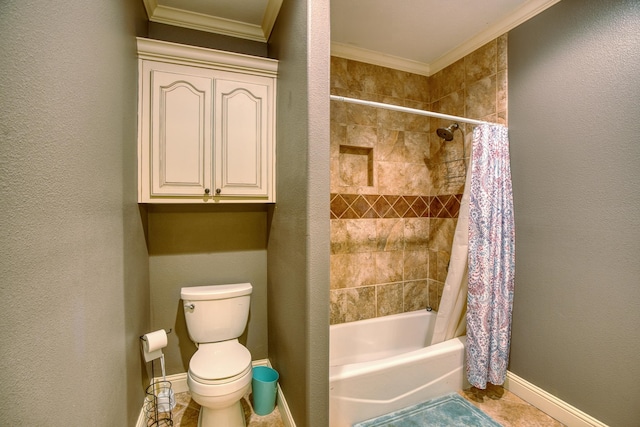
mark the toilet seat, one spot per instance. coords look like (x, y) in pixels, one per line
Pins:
(221, 380)
(220, 363)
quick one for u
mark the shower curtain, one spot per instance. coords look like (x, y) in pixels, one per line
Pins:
(482, 267)
(450, 321)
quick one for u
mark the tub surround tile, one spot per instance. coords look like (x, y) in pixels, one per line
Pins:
(391, 119)
(391, 177)
(415, 295)
(390, 299)
(441, 232)
(441, 266)
(416, 264)
(390, 146)
(501, 94)
(338, 111)
(416, 233)
(351, 270)
(481, 62)
(361, 135)
(435, 293)
(418, 178)
(416, 146)
(406, 176)
(449, 79)
(353, 236)
(482, 97)
(389, 266)
(349, 305)
(417, 123)
(339, 77)
(389, 234)
(501, 54)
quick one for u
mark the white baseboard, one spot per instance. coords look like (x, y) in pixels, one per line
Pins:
(179, 385)
(548, 403)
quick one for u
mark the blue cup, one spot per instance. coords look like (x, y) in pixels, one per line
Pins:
(264, 385)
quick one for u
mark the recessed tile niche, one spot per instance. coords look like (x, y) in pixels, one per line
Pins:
(356, 166)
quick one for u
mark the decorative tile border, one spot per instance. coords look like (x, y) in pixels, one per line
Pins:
(356, 206)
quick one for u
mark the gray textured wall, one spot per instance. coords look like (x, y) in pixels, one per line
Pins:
(206, 245)
(73, 263)
(298, 250)
(574, 116)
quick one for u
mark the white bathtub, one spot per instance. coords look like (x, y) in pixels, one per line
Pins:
(381, 365)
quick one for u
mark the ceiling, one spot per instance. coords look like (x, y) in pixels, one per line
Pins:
(420, 36)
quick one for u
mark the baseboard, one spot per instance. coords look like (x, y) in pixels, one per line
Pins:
(548, 403)
(179, 385)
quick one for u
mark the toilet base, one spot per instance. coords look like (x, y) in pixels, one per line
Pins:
(231, 416)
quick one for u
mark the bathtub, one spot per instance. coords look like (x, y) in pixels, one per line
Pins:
(381, 365)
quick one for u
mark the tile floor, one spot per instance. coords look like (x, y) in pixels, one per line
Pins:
(186, 412)
(504, 407)
(508, 409)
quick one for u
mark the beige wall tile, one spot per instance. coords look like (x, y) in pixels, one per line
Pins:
(389, 299)
(416, 233)
(502, 45)
(390, 146)
(353, 236)
(481, 98)
(399, 261)
(389, 266)
(481, 63)
(416, 264)
(390, 234)
(351, 270)
(391, 177)
(441, 232)
(416, 295)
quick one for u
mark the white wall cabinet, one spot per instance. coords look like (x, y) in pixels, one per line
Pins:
(206, 125)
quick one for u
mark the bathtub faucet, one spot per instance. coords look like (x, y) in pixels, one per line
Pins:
(429, 308)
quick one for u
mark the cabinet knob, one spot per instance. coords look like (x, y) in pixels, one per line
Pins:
(218, 191)
(207, 191)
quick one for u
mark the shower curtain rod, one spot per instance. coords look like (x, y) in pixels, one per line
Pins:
(408, 110)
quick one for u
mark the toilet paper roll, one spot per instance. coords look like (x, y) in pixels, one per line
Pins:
(153, 343)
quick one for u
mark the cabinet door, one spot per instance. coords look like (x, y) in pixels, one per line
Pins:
(180, 132)
(242, 135)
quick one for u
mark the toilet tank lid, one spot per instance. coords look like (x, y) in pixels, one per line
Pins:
(195, 293)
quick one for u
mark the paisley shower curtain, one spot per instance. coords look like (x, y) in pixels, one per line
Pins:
(491, 257)
(480, 279)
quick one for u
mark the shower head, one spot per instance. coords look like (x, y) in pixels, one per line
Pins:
(447, 133)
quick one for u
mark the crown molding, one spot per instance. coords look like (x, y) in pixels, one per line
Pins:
(520, 15)
(214, 24)
(159, 50)
(270, 15)
(372, 57)
(525, 12)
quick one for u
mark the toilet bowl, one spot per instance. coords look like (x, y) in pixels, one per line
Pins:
(220, 371)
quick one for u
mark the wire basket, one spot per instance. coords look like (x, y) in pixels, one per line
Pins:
(159, 403)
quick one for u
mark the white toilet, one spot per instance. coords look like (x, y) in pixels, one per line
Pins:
(220, 371)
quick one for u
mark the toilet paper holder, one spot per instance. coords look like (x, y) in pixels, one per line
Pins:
(143, 338)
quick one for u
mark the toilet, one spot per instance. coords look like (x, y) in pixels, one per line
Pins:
(220, 371)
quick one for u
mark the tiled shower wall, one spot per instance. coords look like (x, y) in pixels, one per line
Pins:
(395, 185)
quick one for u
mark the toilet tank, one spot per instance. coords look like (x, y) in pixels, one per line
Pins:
(217, 312)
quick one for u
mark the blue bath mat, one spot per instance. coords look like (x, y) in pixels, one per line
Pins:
(451, 410)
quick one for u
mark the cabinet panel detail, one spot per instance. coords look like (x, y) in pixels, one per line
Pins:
(180, 135)
(243, 134)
